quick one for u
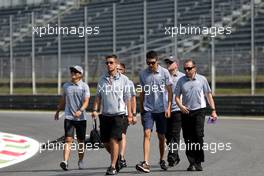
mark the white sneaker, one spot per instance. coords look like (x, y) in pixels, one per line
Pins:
(80, 164)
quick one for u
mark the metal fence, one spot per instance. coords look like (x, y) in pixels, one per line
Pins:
(233, 64)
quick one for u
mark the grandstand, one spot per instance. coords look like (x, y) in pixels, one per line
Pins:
(232, 51)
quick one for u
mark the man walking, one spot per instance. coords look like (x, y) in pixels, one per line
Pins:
(74, 101)
(194, 88)
(114, 97)
(154, 81)
(122, 145)
(174, 122)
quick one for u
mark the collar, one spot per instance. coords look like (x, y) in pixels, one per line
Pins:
(189, 79)
(78, 83)
(157, 71)
(116, 76)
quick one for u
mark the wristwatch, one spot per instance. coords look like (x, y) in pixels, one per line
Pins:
(134, 114)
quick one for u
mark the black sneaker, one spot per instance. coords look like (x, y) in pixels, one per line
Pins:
(198, 166)
(191, 168)
(64, 165)
(111, 171)
(172, 161)
(163, 165)
(123, 163)
(143, 167)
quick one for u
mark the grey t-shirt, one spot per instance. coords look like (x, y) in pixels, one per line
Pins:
(74, 96)
(174, 79)
(154, 85)
(114, 93)
(193, 91)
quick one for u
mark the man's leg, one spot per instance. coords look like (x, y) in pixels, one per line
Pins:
(173, 137)
(114, 146)
(146, 144)
(123, 146)
(199, 134)
(67, 148)
(161, 145)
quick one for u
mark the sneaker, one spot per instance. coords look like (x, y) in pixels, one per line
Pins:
(191, 168)
(172, 162)
(123, 164)
(64, 165)
(143, 167)
(111, 171)
(198, 167)
(163, 165)
(80, 164)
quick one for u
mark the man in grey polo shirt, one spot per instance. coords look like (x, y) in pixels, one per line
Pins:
(174, 122)
(154, 80)
(114, 97)
(122, 145)
(74, 101)
(194, 88)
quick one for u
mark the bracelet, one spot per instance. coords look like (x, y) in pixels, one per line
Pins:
(134, 114)
(212, 109)
(94, 110)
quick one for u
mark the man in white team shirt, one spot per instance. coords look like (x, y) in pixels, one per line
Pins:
(74, 101)
(174, 122)
(122, 145)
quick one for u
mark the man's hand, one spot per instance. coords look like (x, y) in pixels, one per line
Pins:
(94, 114)
(214, 115)
(77, 114)
(56, 116)
(184, 109)
(130, 118)
(134, 120)
(168, 113)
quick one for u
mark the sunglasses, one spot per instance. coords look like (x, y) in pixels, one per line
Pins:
(188, 68)
(111, 62)
(151, 63)
(75, 71)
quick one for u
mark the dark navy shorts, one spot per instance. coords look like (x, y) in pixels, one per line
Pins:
(148, 119)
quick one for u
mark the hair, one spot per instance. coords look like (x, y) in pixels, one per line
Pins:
(122, 65)
(111, 56)
(190, 60)
(152, 55)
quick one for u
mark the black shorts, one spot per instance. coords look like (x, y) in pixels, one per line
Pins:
(111, 127)
(80, 127)
(125, 125)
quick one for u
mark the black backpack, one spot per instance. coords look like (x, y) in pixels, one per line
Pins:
(95, 139)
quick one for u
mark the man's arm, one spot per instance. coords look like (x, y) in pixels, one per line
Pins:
(134, 109)
(60, 107)
(85, 104)
(96, 104)
(211, 103)
(183, 108)
(169, 90)
(141, 101)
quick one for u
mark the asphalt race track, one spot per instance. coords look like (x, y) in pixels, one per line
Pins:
(246, 157)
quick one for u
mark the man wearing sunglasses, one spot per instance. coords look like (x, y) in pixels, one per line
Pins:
(114, 97)
(194, 88)
(157, 80)
(174, 122)
(122, 145)
(74, 101)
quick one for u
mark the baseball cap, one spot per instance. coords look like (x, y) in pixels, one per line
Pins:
(77, 68)
(171, 59)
